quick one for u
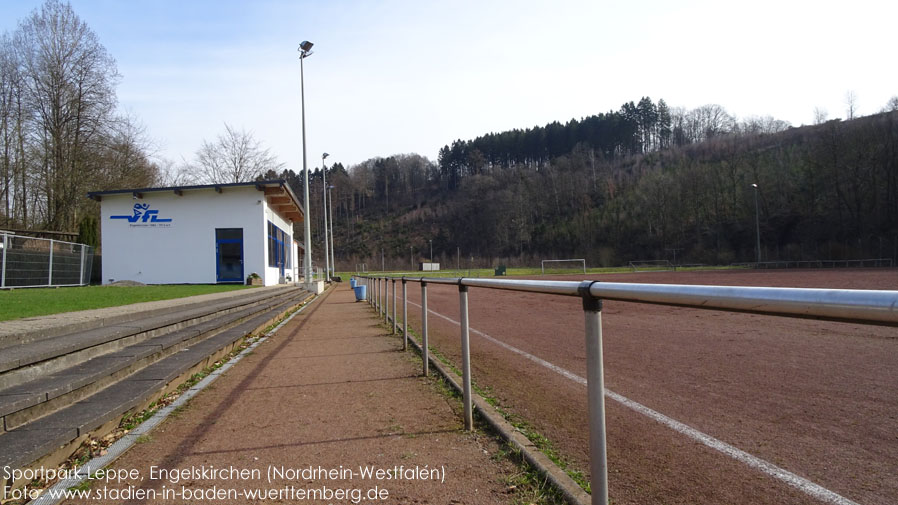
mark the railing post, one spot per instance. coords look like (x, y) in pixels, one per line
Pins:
(393, 296)
(595, 391)
(50, 273)
(404, 315)
(425, 350)
(465, 356)
(385, 306)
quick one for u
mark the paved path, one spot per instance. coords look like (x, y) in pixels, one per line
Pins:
(330, 396)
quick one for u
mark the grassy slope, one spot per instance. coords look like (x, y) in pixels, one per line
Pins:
(20, 303)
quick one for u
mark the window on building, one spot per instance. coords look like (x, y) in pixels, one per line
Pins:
(277, 251)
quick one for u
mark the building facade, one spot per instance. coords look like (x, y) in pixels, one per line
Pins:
(200, 234)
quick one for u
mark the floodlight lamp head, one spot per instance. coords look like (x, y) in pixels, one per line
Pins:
(305, 49)
(754, 185)
(324, 155)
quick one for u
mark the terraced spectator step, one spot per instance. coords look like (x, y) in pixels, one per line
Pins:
(49, 410)
(47, 355)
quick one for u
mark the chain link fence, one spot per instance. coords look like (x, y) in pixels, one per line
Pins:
(27, 262)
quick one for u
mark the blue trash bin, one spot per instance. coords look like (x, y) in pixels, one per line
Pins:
(360, 292)
(352, 283)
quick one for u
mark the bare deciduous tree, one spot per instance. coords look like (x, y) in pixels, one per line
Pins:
(851, 104)
(68, 80)
(891, 105)
(235, 156)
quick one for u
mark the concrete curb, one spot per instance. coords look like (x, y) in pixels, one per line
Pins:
(573, 493)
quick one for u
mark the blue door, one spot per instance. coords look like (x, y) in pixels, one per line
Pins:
(229, 254)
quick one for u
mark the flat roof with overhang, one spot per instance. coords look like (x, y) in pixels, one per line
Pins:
(277, 193)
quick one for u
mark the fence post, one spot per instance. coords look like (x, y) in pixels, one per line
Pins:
(385, 306)
(465, 355)
(404, 315)
(424, 348)
(50, 273)
(3, 266)
(393, 284)
(81, 278)
(595, 390)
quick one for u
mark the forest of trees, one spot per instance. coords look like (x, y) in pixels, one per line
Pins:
(646, 181)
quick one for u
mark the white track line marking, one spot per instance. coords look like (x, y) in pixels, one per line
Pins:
(815, 490)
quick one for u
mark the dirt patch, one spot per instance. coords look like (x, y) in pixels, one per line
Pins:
(815, 398)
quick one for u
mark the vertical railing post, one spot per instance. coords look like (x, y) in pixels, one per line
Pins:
(595, 390)
(377, 295)
(404, 315)
(3, 266)
(385, 306)
(393, 296)
(50, 273)
(465, 355)
(424, 346)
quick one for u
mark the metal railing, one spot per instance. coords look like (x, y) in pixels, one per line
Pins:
(28, 262)
(847, 305)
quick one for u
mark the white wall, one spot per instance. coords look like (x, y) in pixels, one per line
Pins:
(183, 250)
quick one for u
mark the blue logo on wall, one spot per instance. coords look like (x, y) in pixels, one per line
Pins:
(143, 214)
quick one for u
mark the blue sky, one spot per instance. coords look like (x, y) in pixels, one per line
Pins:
(411, 76)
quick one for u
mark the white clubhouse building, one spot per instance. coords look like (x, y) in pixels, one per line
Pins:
(220, 233)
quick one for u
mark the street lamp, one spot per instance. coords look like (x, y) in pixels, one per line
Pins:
(305, 50)
(431, 250)
(327, 257)
(330, 201)
(757, 225)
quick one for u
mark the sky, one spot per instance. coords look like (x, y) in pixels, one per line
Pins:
(410, 76)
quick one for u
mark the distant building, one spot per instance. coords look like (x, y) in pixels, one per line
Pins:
(217, 233)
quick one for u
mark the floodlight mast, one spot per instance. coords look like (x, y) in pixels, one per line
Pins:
(757, 225)
(304, 52)
(330, 201)
(327, 257)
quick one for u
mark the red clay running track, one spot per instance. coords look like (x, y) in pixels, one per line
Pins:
(817, 399)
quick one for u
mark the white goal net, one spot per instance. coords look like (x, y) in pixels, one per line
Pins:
(563, 266)
(652, 266)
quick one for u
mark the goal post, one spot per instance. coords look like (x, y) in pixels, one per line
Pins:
(652, 266)
(563, 266)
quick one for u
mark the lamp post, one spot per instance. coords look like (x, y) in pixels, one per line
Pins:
(327, 258)
(330, 201)
(305, 50)
(431, 250)
(757, 225)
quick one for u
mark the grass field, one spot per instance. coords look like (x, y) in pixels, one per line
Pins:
(19, 303)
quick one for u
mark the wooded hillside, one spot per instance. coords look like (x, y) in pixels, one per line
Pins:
(628, 185)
